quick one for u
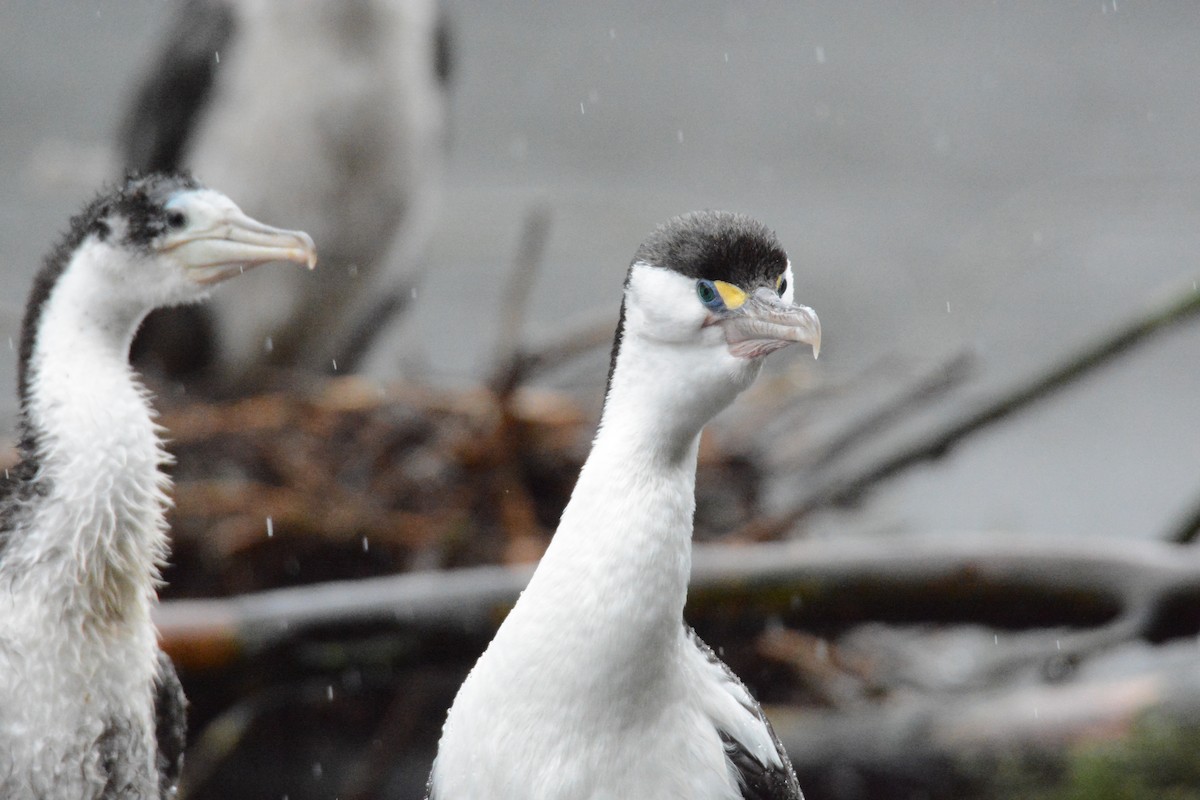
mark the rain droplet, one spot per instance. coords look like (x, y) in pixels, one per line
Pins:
(217, 55)
(317, 770)
(270, 528)
(329, 692)
(334, 362)
(366, 544)
(820, 52)
(268, 345)
(582, 110)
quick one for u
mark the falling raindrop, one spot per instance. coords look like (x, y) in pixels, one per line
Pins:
(334, 362)
(217, 55)
(820, 52)
(268, 345)
(270, 528)
(329, 692)
(679, 135)
(366, 545)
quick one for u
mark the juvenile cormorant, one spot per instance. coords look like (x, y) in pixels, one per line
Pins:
(90, 707)
(593, 687)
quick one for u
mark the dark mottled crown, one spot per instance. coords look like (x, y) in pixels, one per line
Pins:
(717, 245)
(139, 202)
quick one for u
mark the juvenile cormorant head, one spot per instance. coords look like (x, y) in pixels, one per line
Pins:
(89, 705)
(157, 240)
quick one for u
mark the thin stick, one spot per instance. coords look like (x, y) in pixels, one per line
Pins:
(526, 266)
(848, 490)
(947, 376)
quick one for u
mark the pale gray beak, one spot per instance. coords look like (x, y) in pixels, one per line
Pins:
(765, 323)
(218, 241)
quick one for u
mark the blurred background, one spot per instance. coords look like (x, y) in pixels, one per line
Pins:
(977, 191)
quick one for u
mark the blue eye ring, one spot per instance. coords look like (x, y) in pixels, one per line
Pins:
(708, 294)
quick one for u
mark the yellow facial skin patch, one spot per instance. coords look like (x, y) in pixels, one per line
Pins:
(731, 295)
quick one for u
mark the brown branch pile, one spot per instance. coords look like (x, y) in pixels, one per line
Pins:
(348, 482)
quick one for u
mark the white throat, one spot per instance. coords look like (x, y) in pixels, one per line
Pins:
(602, 615)
(97, 538)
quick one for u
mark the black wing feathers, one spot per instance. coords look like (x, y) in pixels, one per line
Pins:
(759, 781)
(163, 116)
(170, 711)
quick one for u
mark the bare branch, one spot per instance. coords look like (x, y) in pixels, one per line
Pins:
(1011, 581)
(844, 490)
(947, 376)
(526, 265)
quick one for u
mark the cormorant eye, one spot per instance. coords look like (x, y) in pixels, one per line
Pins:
(782, 286)
(708, 294)
(176, 220)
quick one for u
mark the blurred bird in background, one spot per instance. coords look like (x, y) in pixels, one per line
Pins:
(328, 113)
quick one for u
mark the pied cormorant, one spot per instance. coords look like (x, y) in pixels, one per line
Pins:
(328, 113)
(593, 687)
(90, 707)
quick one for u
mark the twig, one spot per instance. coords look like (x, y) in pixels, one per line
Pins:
(947, 376)
(583, 337)
(1188, 530)
(526, 265)
(366, 327)
(848, 490)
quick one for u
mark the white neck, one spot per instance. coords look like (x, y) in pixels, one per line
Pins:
(605, 605)
(97, 536)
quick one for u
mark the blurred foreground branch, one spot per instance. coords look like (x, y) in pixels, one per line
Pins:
(828, 585)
